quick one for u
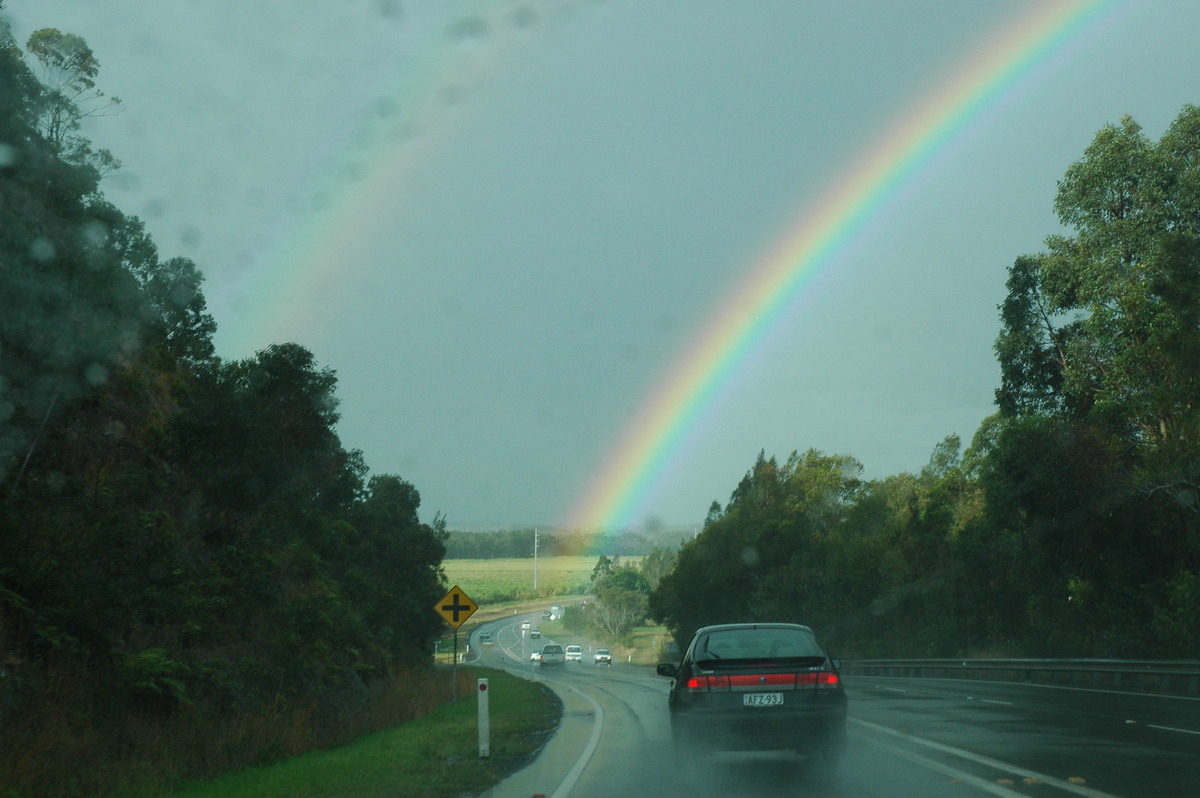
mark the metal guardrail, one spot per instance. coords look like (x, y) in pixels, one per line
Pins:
(1172, 677)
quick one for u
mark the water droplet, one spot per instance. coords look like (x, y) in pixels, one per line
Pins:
(390, 8)
(468, 29)
(95, 233)
(524, 17)
(453, 94)
(42, 250)
(155, 208)
(96, 374)
(190, 236)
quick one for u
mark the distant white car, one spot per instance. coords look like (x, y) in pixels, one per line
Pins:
(535, 656)
(525, 624)
(602, 656)
(574, 654)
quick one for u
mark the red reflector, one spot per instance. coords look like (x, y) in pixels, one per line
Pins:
(703, 684)
(763, 680)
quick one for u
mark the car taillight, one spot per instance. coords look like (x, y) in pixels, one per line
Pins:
(704, 684)
(828, 680)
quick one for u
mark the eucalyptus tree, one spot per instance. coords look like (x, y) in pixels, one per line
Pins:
(1100, 390)
(67, 69)
(1103, 325)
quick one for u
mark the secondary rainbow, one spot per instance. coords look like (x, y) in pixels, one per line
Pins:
(841, 215)
(308, 268)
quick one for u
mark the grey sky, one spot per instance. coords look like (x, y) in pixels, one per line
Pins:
(572, 187)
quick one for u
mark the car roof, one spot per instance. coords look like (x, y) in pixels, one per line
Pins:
(734, 626)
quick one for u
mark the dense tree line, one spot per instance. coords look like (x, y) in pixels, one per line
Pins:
(465, 545)
(186, 548)
(1069, 525)
(620, 594)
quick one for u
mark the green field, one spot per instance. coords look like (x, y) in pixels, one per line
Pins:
(501, 580)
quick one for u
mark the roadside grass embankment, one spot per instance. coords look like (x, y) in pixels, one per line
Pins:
(435, 756)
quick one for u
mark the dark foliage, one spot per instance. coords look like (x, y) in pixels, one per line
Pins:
(185, 545)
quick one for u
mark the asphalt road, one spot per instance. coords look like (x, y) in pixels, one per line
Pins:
(908, 737)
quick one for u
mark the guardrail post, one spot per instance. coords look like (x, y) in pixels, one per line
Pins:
(481, 686)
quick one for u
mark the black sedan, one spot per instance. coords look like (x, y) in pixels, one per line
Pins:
(757, 687)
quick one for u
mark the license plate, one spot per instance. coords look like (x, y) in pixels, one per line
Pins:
(762, 700)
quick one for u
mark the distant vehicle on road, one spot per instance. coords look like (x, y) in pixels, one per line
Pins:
(547, 614)
(535, 633)
(535, 656)
(756, 687)
(602, 656)
(574, 654)
(485, 638)
(551, 654)
(525, 624)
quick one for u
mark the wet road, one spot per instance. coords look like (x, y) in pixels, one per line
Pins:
(908, 737)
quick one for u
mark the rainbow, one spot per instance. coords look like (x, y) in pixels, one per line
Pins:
(841, 216)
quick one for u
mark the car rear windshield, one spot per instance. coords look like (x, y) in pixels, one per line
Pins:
(759, 644)
(551, 649)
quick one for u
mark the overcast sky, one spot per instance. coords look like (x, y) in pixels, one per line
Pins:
(500, 222)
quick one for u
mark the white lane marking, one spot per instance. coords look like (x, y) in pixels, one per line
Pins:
(1171, 728)
(994, 701)
(1035, 685)
(954, 773)
(568, 783)
(987, 761)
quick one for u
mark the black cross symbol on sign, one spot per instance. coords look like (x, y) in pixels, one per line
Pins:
(455, 608)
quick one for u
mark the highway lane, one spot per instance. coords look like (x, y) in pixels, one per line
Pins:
(1126, 744)
(907, 737)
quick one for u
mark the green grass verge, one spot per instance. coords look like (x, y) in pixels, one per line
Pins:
(436, 756)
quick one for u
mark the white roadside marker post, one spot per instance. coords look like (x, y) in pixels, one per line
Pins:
(484, 723)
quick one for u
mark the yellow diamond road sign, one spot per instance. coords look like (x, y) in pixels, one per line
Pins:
(456, 606)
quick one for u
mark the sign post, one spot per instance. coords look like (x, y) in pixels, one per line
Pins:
(455, 607)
